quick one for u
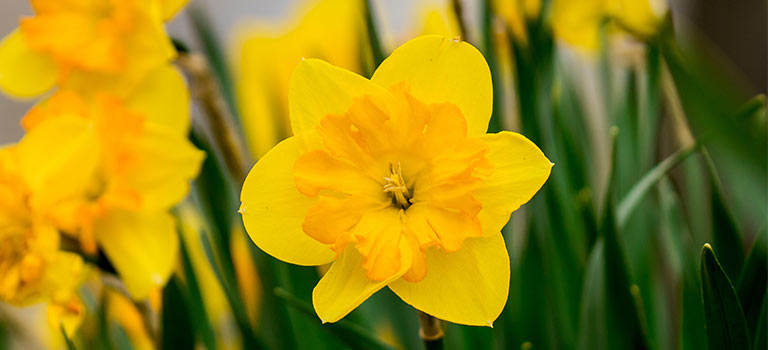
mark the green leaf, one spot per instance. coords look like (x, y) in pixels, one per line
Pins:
(726, 233)
(726, 326)
(177, 330)
(761, 334)
(195, 302)
(215, 56)
(351, 334)
(68, 342)
(640, 189)
(751, 285)
(374, 42)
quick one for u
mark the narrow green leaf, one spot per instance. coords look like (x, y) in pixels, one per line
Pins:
(377, 52)
(177, 331)
(726, 234)
(68, 342)
(761, 332)
(641, 188)
(215, 55)
(726, 326)
(625, 326)
(351, 334)
(752, 282)
(195, 302)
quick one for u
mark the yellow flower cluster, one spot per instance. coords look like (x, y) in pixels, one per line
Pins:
(578, 23)
(105, 154)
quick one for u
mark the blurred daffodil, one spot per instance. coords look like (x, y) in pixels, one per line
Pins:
(111, 44)
(133, 163)
(516, 13)
(578, 23)
(267, 54)
(395, 181)
(33, 269)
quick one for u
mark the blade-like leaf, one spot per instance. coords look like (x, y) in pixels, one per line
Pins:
(351, 334)
(726, 233)
(638, 191)
(68, 342)
(751, 285)
(726, 326)
(177, 327)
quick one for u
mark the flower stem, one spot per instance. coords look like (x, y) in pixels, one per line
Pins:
(207, 92)
(431, 331)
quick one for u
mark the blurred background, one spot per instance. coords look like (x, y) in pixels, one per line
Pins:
(624, 124)
(736, 29)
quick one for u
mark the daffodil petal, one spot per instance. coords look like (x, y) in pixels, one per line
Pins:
(171, 7)
(141, 246)
(519, 171)
(162, 172)
(163, 98)
(440, 69)
(319, 89)
(23, 72)
(58, 158)
(273, 209)
(469, 286)
(345, 285)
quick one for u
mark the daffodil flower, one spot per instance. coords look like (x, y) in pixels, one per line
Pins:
(133, 163)
(266, 53)
(578, 22)
(395, 182)
(86, 44)
(32, 267)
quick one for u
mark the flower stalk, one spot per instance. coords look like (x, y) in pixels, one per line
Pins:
(207, 92)
(431, 331)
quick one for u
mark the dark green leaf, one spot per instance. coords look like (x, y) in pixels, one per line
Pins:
(177, 331)
(726, 233)
(639, 190)
(726, 326)
(374, 42)
(761, 331)
(68, 342)
(195, 302)
(752, 282)
(351, 334)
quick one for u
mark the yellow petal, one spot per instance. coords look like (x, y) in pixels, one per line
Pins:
(440, 69)
(519, 171)
(141, 246)
(273, 209)
(345, 285)
(469, 286)
(171, 7)
(318, 89)
(166, 163)
(58, 158)
(23, 72)
(163, 98)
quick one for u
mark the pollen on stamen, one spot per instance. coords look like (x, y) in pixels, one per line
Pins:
(397, 186)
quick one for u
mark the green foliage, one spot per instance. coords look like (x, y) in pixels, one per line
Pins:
(630, 277)
(726, 326)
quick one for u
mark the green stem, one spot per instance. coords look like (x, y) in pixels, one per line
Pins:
(431, 332)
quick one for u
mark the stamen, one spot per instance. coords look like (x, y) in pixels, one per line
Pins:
(396, 185)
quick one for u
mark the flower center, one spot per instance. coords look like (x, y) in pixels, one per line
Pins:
(397, 188)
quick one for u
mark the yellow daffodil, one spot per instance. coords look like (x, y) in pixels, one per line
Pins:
(32, 266)
(140, 166)
(395, 182)
(578, 22)
(515, 13)
(267, 53)
(81, 43)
